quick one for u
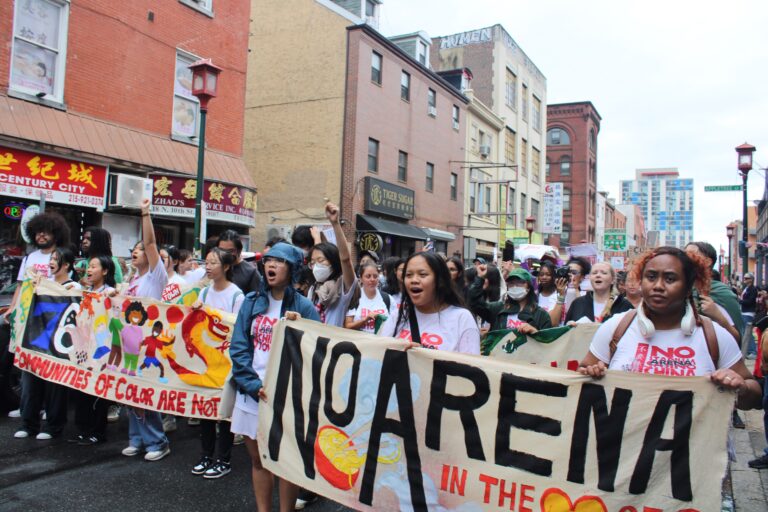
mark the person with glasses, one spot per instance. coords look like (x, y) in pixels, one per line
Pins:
(249, 351)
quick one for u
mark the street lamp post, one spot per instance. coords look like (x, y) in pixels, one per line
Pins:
(530, 225)
(745, 165)
(205, 82)
(730, 230)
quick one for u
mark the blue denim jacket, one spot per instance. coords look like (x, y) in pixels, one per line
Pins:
(241, 345)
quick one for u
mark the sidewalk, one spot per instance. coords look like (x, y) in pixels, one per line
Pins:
(750, 486)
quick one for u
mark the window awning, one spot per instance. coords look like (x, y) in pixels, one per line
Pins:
(388, 227)
(439, 234)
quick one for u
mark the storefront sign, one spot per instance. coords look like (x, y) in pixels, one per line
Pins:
(28, 175)
(13, 211)
(370, 242)
(175, 196)
(389, 199)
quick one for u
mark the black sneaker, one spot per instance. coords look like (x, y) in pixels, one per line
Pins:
(79, 438)
(91, 440)
(759, 463)
(202, 466)
(737, 422)
(218, 470)
(305, 498)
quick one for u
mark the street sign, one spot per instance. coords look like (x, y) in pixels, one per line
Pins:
(722, 188)
(615, 240)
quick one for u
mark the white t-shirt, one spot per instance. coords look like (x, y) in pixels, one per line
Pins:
(548, 303)
(36, 261)
(367, 306)
(172, 290)
(452, 329)
(229, 299)
(397, 300)
(513, 321)
(193, 276)
(150, 285)
(665, 353)
(261, 330)
(597, 309)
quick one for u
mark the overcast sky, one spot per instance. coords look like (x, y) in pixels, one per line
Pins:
(678, 84)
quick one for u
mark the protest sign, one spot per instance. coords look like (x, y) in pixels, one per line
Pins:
(164, 357)
(366, 422)
(559, 347)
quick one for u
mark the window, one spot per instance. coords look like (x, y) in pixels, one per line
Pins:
(376, 68)
(565, 235)
(536, 114)
(402, 166)
(421, 53)
(405, 86)
(510, 90)
(454, 186)
(565, 166)
(566, 199)
(524, 158)
(510, 147)
(38, 51)
(205, 6)
(432, 102)
(430, 177)
(186, 108)
(472, 190)
(525, 102)
(536, 165)
(511, 205)
(592, 139)
(535, 209)
(373, 155)
(487, 199)
(370, 8)
(475, 134)
(455, 117)
(522, 208)
(546, 169)
(557, 136)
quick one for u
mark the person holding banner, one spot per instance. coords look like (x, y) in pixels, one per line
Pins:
(519, 309)
(368, 302)
(432, 312)
(145, 428)
(249, 351)
(666, 335)
(602, 302)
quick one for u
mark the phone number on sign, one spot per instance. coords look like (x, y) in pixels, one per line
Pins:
(85, 200)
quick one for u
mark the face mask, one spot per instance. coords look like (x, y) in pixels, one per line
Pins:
(321, 272)
(517, 292)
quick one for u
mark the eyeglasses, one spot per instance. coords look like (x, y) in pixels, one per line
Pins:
(278, 262)
(574, 272)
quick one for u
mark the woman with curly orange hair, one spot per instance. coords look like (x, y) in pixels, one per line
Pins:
(666, 335)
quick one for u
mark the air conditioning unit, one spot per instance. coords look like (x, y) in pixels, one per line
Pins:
(485, 151)
(432, 111)
(127, 191)
(279, 231)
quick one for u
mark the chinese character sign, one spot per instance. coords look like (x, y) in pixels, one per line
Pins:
(26, 174)
(615, 240)
(553, 209)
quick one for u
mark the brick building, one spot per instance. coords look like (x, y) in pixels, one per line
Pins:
(572, 130)
(96, 94)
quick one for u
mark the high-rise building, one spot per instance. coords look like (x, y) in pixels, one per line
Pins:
(572, 131)
(507, 81)
(666, 202)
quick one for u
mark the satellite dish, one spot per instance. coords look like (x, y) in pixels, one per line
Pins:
(30, 212)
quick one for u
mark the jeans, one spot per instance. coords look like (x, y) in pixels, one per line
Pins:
(145, 430)
(208, 438)
(36, 393)
(748, 345)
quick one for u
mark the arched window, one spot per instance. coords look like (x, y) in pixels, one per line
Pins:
(565, 166)
(557, 137)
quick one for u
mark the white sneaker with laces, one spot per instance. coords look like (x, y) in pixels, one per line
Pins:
(130, 451)
(44, 436)
(157, 454)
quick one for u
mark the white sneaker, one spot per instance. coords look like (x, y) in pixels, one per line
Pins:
(238, 439)
(16, 413)
(157, 454)
(113, 413)
(21, 434)
(43, 436)
(169, 424)
(130, 451)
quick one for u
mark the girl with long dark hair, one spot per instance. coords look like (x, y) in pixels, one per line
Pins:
(432, 308)
(551, 296)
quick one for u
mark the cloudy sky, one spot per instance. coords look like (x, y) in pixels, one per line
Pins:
(676, 83)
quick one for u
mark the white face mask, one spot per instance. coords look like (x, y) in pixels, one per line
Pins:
(517, 292)
(321, 272)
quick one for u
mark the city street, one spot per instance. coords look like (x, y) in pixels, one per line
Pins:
(56, 475)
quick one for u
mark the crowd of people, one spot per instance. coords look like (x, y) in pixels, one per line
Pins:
(668, 298)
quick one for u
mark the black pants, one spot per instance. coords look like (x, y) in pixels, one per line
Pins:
(35, 392)
(90, 415)
(208, 436)
(9, 400)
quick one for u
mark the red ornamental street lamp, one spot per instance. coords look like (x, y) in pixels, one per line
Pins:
(745, 165)
(205, 83)
(730, 230)
(530, 226)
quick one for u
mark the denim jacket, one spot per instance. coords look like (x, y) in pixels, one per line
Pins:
(241, 345)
